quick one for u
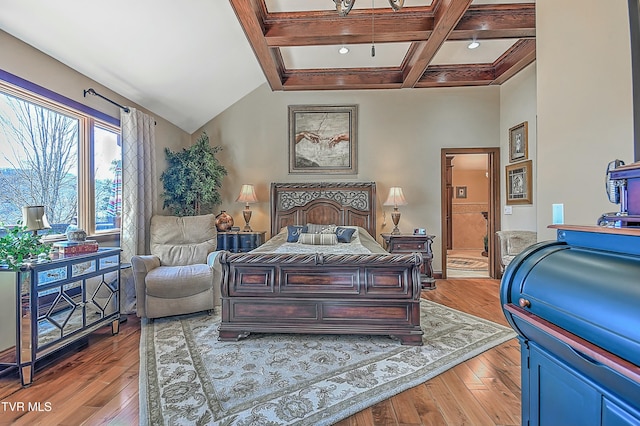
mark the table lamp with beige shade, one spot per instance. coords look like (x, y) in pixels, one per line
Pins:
(247, 196)
(395, 199)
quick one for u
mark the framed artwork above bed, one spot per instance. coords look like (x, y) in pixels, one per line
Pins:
(323, 139)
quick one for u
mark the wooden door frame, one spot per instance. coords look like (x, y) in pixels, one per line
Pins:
(493, 221)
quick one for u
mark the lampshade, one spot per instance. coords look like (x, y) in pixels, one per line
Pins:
(34, 218)
(247, 195)
(396, 197)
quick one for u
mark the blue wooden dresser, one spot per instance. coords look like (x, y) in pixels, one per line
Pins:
(575, 304)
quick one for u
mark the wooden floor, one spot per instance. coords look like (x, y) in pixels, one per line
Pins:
(99, 384)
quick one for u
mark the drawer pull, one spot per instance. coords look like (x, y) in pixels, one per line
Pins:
(524, 303)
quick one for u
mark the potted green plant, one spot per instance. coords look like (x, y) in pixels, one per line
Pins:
(192, 179)
(19, 245)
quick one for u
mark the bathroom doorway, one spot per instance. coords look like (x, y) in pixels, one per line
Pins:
(470, 211)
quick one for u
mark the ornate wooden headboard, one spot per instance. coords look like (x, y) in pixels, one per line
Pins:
(340, 203)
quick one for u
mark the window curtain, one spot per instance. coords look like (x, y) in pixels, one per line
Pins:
(139, 193)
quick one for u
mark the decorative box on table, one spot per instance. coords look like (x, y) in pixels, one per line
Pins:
(76, 247)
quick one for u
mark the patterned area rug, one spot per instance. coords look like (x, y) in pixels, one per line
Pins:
(467, 263)
(187, 377)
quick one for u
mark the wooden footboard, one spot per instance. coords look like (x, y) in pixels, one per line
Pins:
(316, 293)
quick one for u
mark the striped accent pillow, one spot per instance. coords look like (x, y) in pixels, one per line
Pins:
(318, 239)
(313, 228)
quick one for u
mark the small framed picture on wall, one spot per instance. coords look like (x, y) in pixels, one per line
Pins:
(519, 183)
(518, 143)
(461, 192)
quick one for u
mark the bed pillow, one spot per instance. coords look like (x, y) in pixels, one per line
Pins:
(294, 231)
(313, 228)
(344, 234)
(318, 239)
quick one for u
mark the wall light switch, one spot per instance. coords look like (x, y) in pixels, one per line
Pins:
(557, 214)
(508, 210)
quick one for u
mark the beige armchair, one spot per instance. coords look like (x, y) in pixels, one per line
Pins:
(183, 272)
(512, 243)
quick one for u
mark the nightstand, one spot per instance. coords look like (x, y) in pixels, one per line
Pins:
(240, 241)
(410, 243)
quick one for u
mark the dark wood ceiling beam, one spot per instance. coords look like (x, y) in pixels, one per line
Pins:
(312, 28)
(498, 17)
(521, 54)
(492, 34)
(249, 13)
(496, 21)
(343, 79)
(388, 28)
(447, 16)
(457, 75)
(514, 60)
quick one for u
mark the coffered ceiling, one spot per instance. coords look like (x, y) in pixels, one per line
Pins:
(422, 45)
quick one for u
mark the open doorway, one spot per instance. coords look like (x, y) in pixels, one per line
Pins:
(470, 211)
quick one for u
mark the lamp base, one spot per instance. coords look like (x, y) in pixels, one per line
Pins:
(246, 213)
(395, 217)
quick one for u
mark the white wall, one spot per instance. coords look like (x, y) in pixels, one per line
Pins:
(400, 135)
(517, 105)
(584, 105)
(20, 59)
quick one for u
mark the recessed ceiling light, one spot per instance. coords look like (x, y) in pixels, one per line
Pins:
(343, 50)
(473, 45)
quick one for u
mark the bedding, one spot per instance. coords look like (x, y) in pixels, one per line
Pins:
(360, 243)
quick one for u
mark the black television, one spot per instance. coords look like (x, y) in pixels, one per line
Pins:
(634, 21)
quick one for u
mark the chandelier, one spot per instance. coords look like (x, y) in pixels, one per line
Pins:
(344, 6)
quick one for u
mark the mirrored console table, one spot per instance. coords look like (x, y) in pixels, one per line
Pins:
(48, 306)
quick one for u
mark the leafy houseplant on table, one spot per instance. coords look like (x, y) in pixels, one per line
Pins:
(192, 179)
(19, 245)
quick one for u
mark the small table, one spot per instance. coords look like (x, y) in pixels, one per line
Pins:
(410, 243)
(49, 306)
(240, 241)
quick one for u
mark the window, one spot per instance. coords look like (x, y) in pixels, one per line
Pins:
(61, 154)
(107, 172)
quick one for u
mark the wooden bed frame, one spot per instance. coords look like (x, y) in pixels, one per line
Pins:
(315, 293)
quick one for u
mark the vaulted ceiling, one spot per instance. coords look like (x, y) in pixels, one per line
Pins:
(188, 61)
(422, 45)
